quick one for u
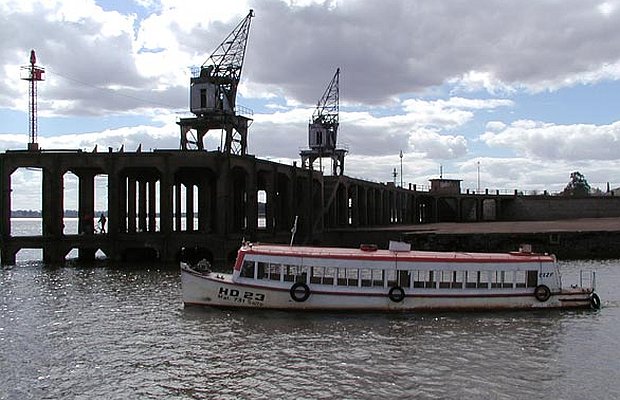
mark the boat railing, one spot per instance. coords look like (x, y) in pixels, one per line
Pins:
(587, 279)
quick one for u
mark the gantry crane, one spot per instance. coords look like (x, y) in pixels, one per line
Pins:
(213, 92)
(323, 130)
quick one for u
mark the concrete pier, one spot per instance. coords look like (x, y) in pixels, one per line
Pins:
(163, 201)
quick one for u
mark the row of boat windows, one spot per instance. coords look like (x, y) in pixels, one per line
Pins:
(364, 277)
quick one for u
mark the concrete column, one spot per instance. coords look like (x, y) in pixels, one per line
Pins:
(251, 211)
(53, 210)
(270, 206)
(223, 199)
(152, 214)
(203, 210)
(86, 202)
(189, 207)
(177, 206)
(5, 203)
(117, 204)
(142, 205)
(290, 201)
(165, 202)
(131, 205)
(7, 257)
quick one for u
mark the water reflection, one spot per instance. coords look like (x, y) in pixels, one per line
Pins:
(122, 332)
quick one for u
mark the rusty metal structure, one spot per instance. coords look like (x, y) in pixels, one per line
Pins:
(213, 93)
(323, 130)
(33, 74)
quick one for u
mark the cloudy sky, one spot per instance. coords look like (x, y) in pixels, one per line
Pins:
(519, 94)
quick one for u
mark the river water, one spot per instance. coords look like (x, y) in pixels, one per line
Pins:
(113, 332)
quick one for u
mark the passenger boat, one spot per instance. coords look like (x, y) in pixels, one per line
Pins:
(398, 279)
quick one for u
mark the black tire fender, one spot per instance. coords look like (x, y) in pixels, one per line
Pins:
(542, 293)
(396, 294)
(299, 292)
(595, 301)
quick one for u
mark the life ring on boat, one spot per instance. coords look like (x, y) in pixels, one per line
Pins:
(300, 292)
(595, 301)
(396, 294)
(542, 293)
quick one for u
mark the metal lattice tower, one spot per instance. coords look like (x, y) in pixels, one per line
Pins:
(323, 130)
(33, 74)
(213, 92)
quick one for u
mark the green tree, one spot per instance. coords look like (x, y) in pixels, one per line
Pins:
(577, 187)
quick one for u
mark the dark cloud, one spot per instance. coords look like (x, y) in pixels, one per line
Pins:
(393, 47)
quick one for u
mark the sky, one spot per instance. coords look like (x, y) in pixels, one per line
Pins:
(502, 94)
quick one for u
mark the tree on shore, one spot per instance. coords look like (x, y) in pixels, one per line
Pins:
(578, 186)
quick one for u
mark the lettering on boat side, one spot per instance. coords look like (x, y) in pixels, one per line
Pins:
(545, 274)
(241, 297)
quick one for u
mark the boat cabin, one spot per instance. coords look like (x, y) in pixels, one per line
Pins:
(274, 265)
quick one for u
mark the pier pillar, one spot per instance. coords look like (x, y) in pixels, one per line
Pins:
(86, 201)
(165, 203)
(117, 204)
(152, 214)
(177, 206)
(251, 210)
(131, 205)
(6, 256)
(142, 205)
(189, 207)
(52, 214)
(223, 200)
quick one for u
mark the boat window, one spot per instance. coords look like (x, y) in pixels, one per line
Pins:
(445, 279)
(519, 279)
(472, 279)
(316, 275)
(289, 272)
(506, 278)
(403, 278)
(340, 277)
(347, 277)
(377, 277)
(352, 277)
(273, 271)
(247, 269)
(495, 282)
(263, 272)
(295, 273)
(483, 278)
(391, 277)
(330, 275)
(302, 274)
(366, 277)
(457, 280)
(419, 278)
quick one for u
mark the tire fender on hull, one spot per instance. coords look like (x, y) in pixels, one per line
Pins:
(595, 301)
(396, 294)
(542, 293)
(299, 292)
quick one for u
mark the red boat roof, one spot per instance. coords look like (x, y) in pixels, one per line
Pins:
(386, 255)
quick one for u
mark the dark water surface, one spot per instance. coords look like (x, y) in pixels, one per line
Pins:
(116, 333)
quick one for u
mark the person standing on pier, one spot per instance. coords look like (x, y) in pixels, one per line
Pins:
(102, 221)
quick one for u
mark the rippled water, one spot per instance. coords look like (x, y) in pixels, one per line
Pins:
(105, 332)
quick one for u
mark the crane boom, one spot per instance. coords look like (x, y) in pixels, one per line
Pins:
(328, 107)
(223, 67)
(213, 95)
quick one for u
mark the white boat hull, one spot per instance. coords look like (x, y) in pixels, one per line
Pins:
(219, 290)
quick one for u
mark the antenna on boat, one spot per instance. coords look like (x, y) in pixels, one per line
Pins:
(294, 229)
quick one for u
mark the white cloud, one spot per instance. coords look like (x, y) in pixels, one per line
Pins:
(557, 142)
